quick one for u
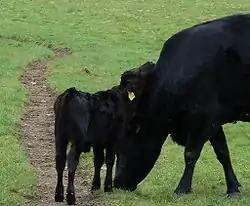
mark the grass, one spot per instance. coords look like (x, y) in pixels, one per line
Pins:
(208, 184)
(108, 37)
(17, 177)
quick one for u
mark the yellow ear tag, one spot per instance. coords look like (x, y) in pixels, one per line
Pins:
(131, 95)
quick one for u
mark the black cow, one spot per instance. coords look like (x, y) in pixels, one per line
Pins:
(94, 120)
(200, 82)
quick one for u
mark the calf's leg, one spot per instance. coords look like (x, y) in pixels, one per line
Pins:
(73, 160)
(98, 162)
(61, 152)
(110, 158)
(218, 141)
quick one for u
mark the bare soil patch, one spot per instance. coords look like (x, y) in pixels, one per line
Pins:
(37, 135)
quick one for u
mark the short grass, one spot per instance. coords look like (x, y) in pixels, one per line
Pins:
(17, 177)
(108, 37)
(208, 184)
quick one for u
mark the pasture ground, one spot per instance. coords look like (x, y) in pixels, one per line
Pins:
(105, 38)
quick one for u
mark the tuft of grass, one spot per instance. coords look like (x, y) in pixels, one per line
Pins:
(109, 37)
(17, 177)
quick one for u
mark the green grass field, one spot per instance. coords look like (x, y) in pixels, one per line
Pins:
(107, 38)
(17, 177)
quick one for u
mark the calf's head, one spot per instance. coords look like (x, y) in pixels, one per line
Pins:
(137, 150)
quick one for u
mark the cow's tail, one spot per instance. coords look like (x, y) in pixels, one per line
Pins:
(70, 92)
(61, 106)
(61, 139)
(64, 98)
(73, 107)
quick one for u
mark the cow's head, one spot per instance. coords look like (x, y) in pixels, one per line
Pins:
(136, 157)
(134, 81)
(139, 149)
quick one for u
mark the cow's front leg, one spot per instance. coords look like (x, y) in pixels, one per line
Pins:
(197, 136)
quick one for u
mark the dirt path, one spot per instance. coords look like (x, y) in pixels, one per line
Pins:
(37, 134)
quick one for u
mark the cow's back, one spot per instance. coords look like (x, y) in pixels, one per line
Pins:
(204, 63)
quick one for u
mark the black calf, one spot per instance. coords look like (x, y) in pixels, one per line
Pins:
(94, 120)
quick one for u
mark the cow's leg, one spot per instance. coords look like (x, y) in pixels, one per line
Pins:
(218, 141)
(198, 134)
(98, 162)
(61, 152)
(110, 158)
(73, 160)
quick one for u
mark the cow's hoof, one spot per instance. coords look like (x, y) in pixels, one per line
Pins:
(71, 200)
(234, 195)
(59, 197)
(182, 191)
(108, 189)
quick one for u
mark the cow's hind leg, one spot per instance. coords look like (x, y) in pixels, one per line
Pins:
(73, 160)
(198, 134)
(61, 152)
(218, 141)
(98, 162)
(110, 158)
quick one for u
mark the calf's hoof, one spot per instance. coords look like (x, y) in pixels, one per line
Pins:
(59, 197)
(71, 200)
(108, 189)
(234, 195)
